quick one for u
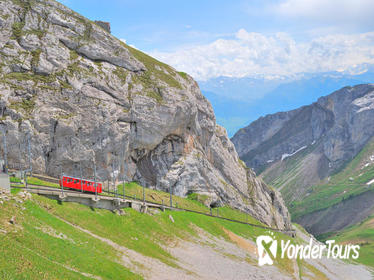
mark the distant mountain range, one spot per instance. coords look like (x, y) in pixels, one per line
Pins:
(239, 101)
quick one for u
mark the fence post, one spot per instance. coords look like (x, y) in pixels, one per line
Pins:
(171, 198)
(5, 152)
(29, 152)
(95, 179)
(25, 177)
(123, 186)
(62, 184)
(80, 169)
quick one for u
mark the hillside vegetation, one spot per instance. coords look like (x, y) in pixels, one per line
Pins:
(46, 239)
(362, 234)
(353, 180)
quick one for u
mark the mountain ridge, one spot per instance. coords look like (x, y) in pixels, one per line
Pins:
(308, 154)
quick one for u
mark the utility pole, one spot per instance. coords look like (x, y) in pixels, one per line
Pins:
(80, 169)
(95, 178)
(29, 152)
(5, 152)
(62, 184)
(123, 169)
(113, 181)
(123, 186)
(25, 177)
(171, 198)
(19, 156)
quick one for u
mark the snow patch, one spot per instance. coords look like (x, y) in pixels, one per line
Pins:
(314, 141)
(365, 103)
(290, 155)
(370, 182)
(371, 158)
(270, 161)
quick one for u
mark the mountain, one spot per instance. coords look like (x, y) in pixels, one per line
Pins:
(319, 156)
(83, 96)
(239, 101)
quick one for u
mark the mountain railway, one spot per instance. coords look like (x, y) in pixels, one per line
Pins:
(113, 201)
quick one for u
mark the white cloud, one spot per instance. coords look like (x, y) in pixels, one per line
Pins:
(337, 11)
(254, 54)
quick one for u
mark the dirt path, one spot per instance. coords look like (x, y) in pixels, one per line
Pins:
(149, 268)
(215, 258)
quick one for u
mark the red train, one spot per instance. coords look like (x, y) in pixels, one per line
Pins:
(75, 183)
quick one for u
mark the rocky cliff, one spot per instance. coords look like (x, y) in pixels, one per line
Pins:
(83, 96)
(320, 138)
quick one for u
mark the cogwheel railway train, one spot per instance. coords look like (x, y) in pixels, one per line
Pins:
(80, 184)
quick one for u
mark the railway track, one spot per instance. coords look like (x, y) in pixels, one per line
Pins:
(111, 195)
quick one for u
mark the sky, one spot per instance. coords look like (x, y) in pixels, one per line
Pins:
(236, 38)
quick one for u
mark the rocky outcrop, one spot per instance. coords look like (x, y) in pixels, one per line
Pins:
(83, 96)
(105, 25)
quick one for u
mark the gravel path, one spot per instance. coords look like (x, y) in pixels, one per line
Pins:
(211, 258)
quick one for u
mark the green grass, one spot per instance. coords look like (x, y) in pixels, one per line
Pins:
(193, 202)
(37, 181)
(14, 179)
(156, 68)
(349, 182)
(361, 234)
(135, 190)
(32, 250)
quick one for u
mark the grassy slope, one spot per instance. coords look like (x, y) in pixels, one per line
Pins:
(362, 234)
(42, 246)
(349, 182)
(29, 252)
(194, 201)
(285, 174)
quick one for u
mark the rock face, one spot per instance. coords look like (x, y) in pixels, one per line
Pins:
(328, 133)
(105, 25)
(82, 95)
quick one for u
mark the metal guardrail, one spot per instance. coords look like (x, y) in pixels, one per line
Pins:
(116, 195)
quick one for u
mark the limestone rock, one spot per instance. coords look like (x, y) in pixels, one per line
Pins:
(83, 96)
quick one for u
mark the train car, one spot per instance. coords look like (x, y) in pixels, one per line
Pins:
(75, 183)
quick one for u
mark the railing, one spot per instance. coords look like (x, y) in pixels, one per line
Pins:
(160, 205)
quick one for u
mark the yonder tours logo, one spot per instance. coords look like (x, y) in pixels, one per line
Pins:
(267, 247)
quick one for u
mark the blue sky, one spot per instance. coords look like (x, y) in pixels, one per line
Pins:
(239, 38)
(280, 40)
(167, 25)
